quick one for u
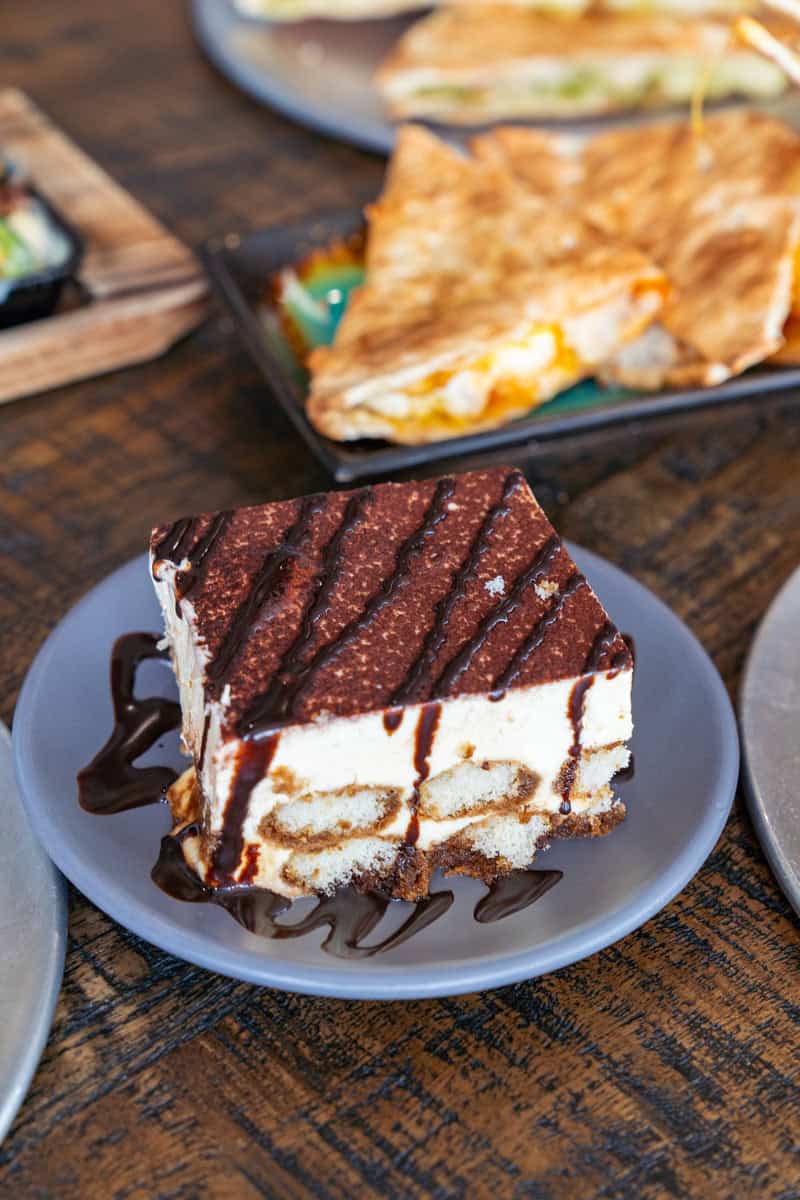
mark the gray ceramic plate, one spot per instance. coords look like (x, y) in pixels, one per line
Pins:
(317, 72)
(320, 72)
(33, 934)
(687, 759)
(769, 709)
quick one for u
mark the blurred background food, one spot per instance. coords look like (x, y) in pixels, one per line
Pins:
(357, 68)
(494, 62)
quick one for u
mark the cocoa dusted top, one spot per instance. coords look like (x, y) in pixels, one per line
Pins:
(400, 593)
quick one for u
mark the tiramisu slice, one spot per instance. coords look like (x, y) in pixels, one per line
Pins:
(381, 682)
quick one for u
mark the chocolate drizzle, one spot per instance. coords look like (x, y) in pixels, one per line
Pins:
(598, 652)
(110, 783)
(276, 701)
(537, 635)
(437, 634)
(204, 742)
(323, 644)
(350, 914)
(198, 556)
(427, 725)
(539, 567)
(173, 874)
(175, 543)
(577, 699)
(267, 584)
(423, 742)
(261, 719)
(600, 648)
(511, 893)
(392, 719)
(252, 764)
(178, 546)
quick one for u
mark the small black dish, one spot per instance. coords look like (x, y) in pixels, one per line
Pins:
(31, 297)
(240, 269)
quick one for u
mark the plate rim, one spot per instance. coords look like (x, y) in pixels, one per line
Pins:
(14, 1091)
(387, 982)
(786, 873)
(378, 138)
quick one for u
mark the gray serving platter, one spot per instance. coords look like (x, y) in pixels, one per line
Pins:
(687, 760)
(769, 712)
(33, 936)
(320, 73)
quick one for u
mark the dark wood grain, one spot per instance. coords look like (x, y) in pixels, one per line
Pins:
(668, 1065)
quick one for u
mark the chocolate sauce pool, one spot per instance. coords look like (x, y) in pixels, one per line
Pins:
(112, 784)
(349, 915)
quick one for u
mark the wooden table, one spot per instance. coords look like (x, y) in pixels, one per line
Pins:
(668, 1065)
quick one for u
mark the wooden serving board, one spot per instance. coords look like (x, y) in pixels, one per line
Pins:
(145, 288)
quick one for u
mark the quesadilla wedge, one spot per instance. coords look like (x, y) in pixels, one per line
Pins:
(719, 214)
(479, 303)
(470, 65)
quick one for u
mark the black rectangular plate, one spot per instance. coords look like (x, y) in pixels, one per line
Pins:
(240, 268)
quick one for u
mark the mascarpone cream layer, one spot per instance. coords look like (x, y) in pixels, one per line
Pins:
(530, 726)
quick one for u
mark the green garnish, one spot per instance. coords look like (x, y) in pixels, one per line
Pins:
(15, 257)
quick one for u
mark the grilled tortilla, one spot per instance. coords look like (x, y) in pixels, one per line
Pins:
(480, 302)
(718, 213)
(470, 64)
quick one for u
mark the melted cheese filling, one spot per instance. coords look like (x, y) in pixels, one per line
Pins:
(498, 382)
(497, 385)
